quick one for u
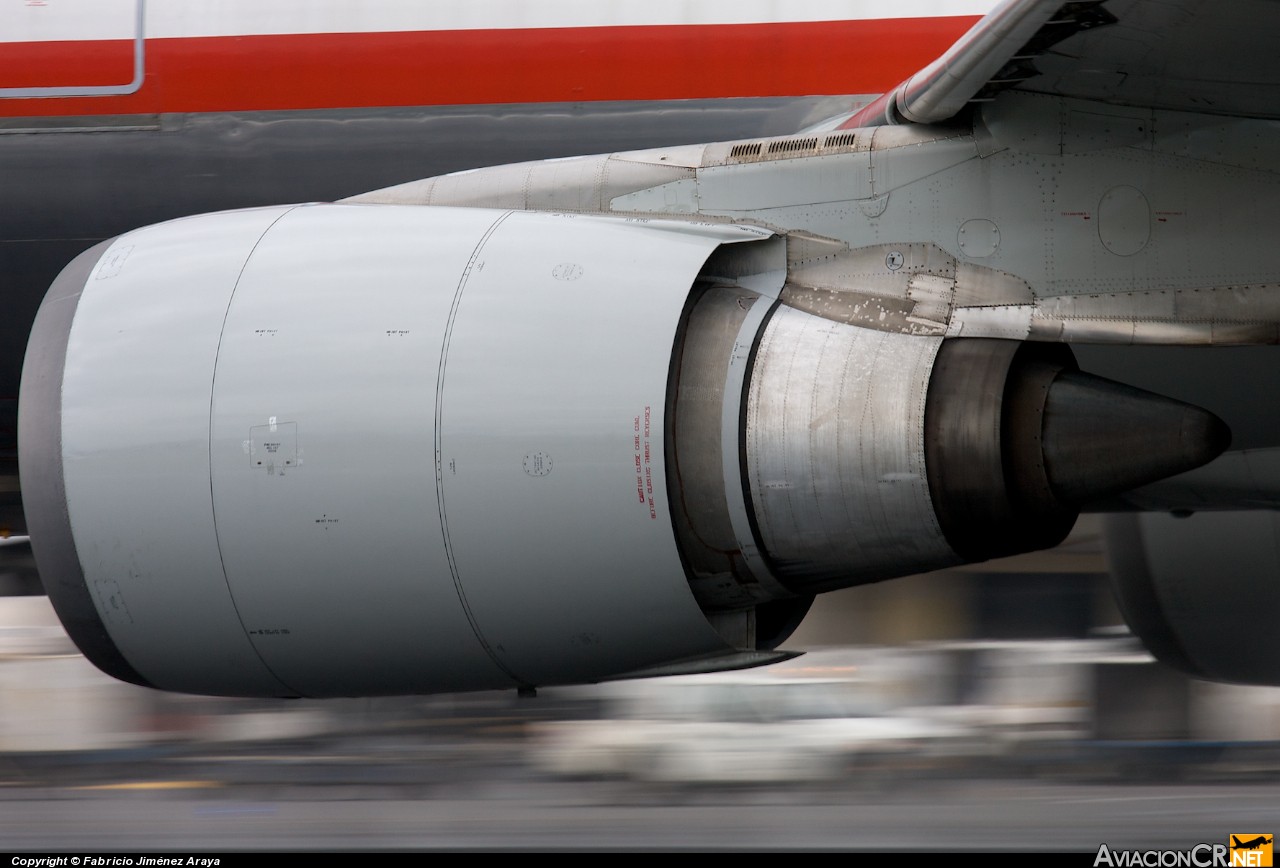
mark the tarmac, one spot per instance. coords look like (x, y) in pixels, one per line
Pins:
(403, 792)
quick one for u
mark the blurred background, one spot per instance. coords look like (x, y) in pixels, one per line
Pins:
(997, 706)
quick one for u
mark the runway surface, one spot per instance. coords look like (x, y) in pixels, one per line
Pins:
(514, 813)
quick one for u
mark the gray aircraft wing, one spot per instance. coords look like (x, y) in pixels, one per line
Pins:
(1207, 56)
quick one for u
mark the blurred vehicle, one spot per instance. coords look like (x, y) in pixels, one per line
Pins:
(797, 722)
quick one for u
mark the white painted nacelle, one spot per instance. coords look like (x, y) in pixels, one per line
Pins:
(334, 450)
(357, 450)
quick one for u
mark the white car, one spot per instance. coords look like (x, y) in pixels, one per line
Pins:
(759, 726)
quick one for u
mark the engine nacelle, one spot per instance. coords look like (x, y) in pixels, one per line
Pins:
(360, 450)
(1201, 591)
(334, 450)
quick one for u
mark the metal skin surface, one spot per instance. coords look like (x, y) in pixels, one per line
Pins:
(46, 502)
(941, 89)
(1198, 277)
(865, 453)
(723, 558)
(871, 453)
(136, 459)
(1100, 223)
(1018, 442)
(264, 377)
(1188, 584)
(835, 453)
(553, 333)
(985, 447)
(1048, 213)
(718, 326)
(378, 450)
(72, 182)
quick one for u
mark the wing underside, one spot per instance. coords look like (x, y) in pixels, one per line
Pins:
(1205, 56)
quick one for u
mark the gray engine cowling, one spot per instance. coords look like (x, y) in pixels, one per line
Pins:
(1201, 591)
(361, 450)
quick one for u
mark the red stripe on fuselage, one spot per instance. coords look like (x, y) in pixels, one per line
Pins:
(349, 70)
(65, 64)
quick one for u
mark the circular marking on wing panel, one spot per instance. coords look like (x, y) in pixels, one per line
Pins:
(978, 238)
(893, 261)
(1124, 220)
(567, 271)
(537, 464)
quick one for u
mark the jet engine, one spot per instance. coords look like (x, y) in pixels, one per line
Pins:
(356, 450)
(1200, 590)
